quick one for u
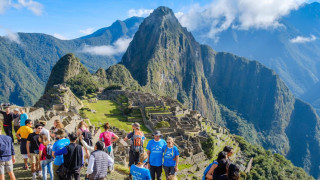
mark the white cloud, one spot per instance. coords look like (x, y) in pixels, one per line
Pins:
(59, 36)
(139, 12)
(178, 14)
(301, 39)
(117, 47)
(33, 6)
(87, 31)
(239, 14)
(12, 36)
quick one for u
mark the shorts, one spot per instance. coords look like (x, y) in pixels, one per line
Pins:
(6, 166)
(169, 170)
(133, 157)
(24, 156)
(34, 158)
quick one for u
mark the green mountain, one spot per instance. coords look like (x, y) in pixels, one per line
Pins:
(25, 67)
(265, 165)
(243, 95)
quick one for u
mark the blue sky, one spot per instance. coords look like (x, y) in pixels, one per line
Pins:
(69, 17)
(74, 18)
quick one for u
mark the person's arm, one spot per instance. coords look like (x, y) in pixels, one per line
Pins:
(17, 134)
(3, 112)
(40, 154)
(177, 163)
(110, 161)
(209, 175)
(129, 136)
(86, 146)
(148, 152)
(90, 165)
(62, 151)
(28, 150)
(12, 154)
(115, 138)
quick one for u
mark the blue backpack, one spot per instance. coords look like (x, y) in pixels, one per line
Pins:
(207, 169)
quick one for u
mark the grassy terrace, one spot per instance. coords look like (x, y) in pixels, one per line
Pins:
(108, 111)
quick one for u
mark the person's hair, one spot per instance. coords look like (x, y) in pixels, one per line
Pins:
(106, 126)
(28, 121)
(233, 172)
(43, 123)
(227, 149)
(44, 139)
(59, 125)
(222, 155)
(143, 157)
(37, 125)
(61, 133)
(73, 136)
(100, 145)
(82, 123)
(170, 139)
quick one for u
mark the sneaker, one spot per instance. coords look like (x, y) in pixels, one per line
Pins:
(34, 176)
(40, 174)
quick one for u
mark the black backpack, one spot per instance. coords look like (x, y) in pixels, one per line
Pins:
(49, 152)
(87, 137)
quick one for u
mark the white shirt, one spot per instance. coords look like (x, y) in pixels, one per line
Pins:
(91, 163)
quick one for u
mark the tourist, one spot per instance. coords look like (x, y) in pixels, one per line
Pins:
(138, 171)
(16, 121)
(7, 158)
(171, 159)
(56, 126)
(73, 158)
(61, 142)
(85, 145)
(108, 138)
(44, 130)
(99, 162)
(7, 122)
(23, 117)
(45, 158)
(22, 134)
(137, 138)
(155, 149)
(217, 168)
(33, 151)
(229, 151)
(83, 130)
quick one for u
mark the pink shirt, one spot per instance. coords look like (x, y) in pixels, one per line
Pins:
(107, 137)
(44, 152)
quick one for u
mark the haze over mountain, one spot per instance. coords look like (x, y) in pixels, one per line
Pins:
(26, 63)
(244, 95)
(292, 49)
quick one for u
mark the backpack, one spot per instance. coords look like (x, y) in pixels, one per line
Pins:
(49, 152)
(207, 169)
(137, 141)
(87, 137)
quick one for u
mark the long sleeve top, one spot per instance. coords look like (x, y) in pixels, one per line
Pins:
(7, 118)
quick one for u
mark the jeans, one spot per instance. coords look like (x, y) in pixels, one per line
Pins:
(8, 131)
(46, 165)
(154, 170)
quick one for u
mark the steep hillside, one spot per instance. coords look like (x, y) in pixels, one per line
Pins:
(35, 55)
(244, 95)
(297, 63)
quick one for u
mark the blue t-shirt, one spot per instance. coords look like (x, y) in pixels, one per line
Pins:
(140, 173)
(169, 155)
(56, 147)
(23, 118)
(156, 151)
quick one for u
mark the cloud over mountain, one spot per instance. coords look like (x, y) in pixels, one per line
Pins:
(220, 15)
(116, 48)
(33, 6)
(139, 12)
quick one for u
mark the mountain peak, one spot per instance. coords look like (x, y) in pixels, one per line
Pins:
(67, 67)
(162, 10)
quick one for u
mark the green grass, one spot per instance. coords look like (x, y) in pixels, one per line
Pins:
(108, 111)
(184, 166)
(122, 168)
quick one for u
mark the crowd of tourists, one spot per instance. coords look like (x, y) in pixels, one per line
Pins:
(62, 155)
